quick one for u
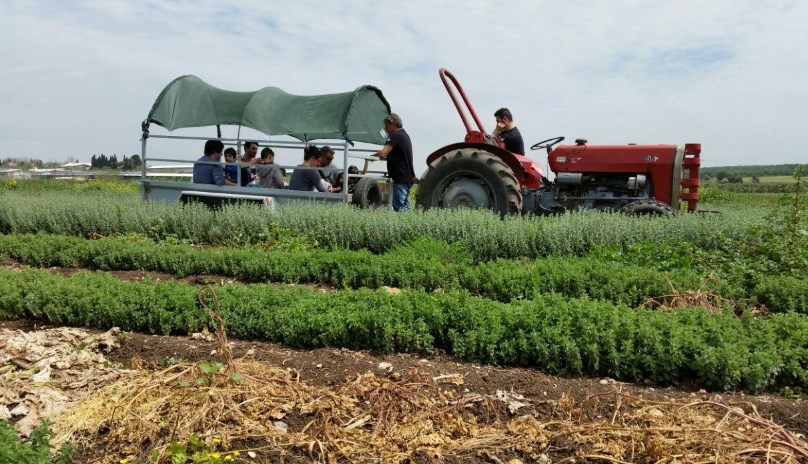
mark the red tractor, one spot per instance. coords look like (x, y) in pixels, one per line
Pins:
(481, 173)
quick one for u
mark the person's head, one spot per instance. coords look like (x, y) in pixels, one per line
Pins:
(392, 122)
(326, 156)
(213, 148)
(267, 155)
(311, 155)
(503, 115)
(351, 171)
(250, 150)
(230, 155)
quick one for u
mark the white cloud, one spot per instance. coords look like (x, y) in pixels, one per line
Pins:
(79, 76)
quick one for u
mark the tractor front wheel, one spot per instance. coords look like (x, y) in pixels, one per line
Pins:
(469, 178)
(648, 207)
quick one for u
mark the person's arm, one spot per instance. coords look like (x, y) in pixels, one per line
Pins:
(384, 151)
(316, 181)
(323, 186)
(365, 169)
(218, 176)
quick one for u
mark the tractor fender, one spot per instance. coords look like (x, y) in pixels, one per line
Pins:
(507, 157)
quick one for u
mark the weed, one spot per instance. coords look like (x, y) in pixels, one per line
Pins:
(209, 371)
(172, 361)
(36, 449)
(195, 451)
(784, 237)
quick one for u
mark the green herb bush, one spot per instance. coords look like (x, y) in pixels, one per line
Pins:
(424, 264)
(560, 335)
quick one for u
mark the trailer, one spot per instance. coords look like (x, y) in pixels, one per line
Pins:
(342, 120)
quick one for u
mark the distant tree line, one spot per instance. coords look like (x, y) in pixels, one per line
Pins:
(735, 174)
(22, 163)
(128, 163)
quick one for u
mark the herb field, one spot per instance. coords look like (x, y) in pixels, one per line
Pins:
(483, 235)
(715, 300)
(499, 271)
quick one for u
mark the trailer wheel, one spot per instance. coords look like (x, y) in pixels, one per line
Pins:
(469, 178)
(367, 194)
(648, 207)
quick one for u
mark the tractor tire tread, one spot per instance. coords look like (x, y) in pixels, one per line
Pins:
(648, 206)
(434, 174)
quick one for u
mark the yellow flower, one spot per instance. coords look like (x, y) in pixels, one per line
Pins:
(236, 453)
(228, 458)
(216, 440)
(124, 461)
(215, 455)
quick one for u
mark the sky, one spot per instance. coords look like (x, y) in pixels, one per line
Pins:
(78, 77)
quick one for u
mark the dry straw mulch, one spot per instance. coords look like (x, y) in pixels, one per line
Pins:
(409, 416)
(698, 298)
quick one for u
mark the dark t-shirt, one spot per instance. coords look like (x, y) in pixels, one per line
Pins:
(246, 176)
(513, 141)
(306, 180)
(399, 160)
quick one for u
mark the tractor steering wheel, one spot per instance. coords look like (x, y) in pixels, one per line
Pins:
(545, 144)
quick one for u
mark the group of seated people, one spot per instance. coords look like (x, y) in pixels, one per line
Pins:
(316, 175)
(264, 174)
(325, 179)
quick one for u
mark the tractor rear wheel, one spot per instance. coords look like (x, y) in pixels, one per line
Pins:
(648, 207)
(469, 178)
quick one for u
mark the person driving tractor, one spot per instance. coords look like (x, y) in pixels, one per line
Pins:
(507, 132)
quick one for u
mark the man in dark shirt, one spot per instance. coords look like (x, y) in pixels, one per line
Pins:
(398, 153)
(309, 179)
(210, 173)
(507, 132)
(250, 156)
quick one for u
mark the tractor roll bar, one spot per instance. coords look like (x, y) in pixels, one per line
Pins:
(444, 75)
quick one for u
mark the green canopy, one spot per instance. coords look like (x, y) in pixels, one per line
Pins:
(354, 116)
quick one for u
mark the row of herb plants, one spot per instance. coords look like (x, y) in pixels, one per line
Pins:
(425, 264)
(484, 234)
(553, 333)
(107, 184)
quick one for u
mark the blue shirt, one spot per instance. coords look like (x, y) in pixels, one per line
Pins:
(208, 173)
(230, 173)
